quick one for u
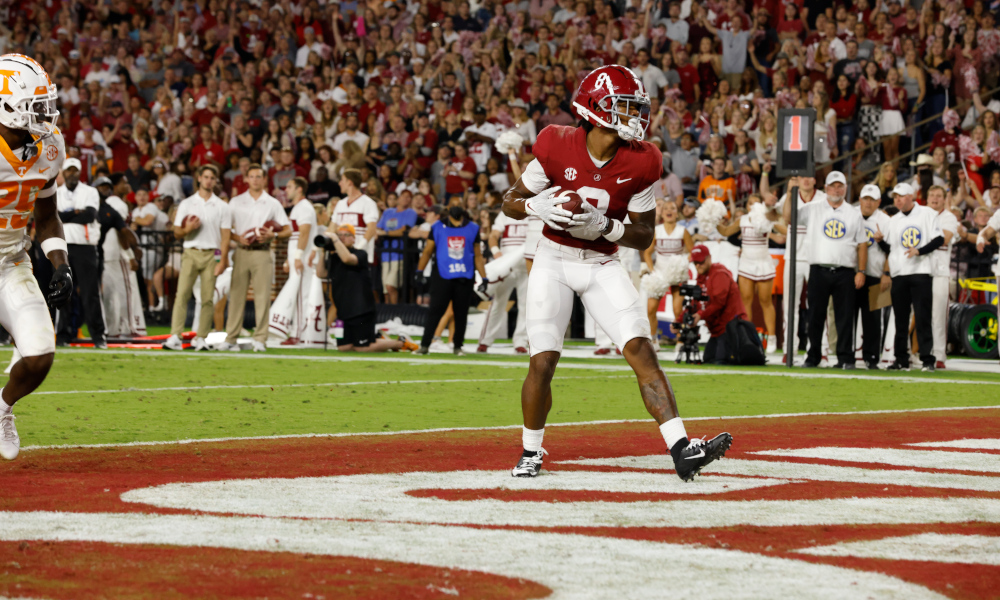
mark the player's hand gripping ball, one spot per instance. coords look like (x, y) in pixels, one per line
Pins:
(572, 202)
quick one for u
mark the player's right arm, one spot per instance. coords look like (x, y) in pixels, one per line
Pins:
(49, 234)
(520, 201)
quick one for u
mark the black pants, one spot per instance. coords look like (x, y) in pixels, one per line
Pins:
(870, 322)
(918, 291)
(84, 264)
(458, 291)
(826, 283)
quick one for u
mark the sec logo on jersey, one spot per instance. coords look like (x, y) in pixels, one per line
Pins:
(910, 237)
(834, 229)
(570, 173)
(51, 152)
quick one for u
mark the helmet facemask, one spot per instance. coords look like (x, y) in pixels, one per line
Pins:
(36, 113)
(629, 115)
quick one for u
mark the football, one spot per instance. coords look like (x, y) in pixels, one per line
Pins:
(254, 235)
(188, 220)
(573, 202)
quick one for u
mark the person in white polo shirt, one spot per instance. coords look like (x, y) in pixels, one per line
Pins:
(876, 224)
(203, 222)
(253, 263)
(838, 256)
(912, 236)
(77, 204)
(358, 210)
(941, 272)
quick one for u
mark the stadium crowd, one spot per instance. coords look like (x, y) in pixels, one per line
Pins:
(407, 100)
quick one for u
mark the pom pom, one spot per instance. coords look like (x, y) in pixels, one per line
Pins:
(950, 119)
(993, 146)
(710, 214)
(507, 141)
(971, 78)
(968, 148)
(758, 219)
(673, 269)
(654, 284)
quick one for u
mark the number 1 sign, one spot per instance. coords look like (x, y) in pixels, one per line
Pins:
(795, 142)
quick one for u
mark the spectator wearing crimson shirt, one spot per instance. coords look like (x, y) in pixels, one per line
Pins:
(688, 73)
(724, 303)
(458, 173)
(371, 105)
(120, 141)
(208, 151)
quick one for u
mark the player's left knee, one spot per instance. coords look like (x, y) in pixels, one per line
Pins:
(38, 366)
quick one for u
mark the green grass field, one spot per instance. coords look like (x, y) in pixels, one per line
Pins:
(114, 397)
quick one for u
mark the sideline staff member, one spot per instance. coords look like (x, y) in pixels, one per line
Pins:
(838, 255)
(876, 222)
(347, 269)
(912, 237)
(724, 303)
(454, 242)
(253, 263)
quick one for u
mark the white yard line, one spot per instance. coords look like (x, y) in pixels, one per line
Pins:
(496, 427)
(195, 388)
(414, 361)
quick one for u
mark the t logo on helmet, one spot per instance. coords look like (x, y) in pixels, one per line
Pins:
(5, 76)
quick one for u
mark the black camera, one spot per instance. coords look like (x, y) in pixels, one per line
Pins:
(687, 335)
(693, 291)
(324, 242)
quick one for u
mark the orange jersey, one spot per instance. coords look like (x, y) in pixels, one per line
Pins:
(717, 189)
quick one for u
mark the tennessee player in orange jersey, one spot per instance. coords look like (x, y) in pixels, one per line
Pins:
(606, 162)
(31, 155)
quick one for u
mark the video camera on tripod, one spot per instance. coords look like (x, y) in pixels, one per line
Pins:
(687, 335)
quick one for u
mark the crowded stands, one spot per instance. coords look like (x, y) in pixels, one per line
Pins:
(415, 94)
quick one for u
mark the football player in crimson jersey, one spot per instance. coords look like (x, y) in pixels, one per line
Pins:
(606, 162)
(31, 155)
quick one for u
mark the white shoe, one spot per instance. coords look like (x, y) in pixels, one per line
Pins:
(772, 344)
(10, 443)
(161, 304)
(173, 343)
(199, 344)
(439, 347)
(227, 347)
(258, 347)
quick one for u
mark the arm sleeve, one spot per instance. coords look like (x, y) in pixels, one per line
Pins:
(643, 201)
(717, 292)
(371, 213)
(931, 246)
(84, 217)
(884, 245)
(279, 214)
(534, 177)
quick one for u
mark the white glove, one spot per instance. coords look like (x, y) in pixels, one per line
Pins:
(546, 207)
(589, 224)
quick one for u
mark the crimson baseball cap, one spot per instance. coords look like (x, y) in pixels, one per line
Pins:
(699, 253)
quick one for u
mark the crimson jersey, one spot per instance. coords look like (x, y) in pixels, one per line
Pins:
(562, 153)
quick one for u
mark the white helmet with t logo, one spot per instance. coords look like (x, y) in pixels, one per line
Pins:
(27, 96)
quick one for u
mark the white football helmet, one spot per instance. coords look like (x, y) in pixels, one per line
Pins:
(27, 96)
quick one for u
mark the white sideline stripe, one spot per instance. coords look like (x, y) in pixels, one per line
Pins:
(968, 444)
(932, 547)
(194, 388)
(924, 459)
(577, 567)
(493, 427)
(812, 472)
(706, 372)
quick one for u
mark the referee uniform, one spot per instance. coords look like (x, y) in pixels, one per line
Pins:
(838, 250)
(876, 225)
(912, 237)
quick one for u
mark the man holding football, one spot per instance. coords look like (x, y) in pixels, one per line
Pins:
(605, 163)
(257, 218)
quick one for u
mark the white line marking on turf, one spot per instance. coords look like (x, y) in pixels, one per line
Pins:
(812, 472)
(968, 444)
(705, 372)
(933, 547)
(494, 427)
(386, 497)
(924, 459)
(574, 566)
(304, 385)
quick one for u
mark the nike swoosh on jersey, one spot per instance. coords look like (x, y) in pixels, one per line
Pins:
(624, 180)
(699, 455)
(44, 170)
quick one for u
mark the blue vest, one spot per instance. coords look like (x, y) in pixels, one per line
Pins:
(454, 250)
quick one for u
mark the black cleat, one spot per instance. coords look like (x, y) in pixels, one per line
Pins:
(530, 464)
(700, 453)
(810, 365)
(897, 366)
(872, 365)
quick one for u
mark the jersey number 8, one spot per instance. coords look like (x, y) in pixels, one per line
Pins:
(25, 194)
(601, 200)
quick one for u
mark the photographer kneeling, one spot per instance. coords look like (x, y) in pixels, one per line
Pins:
(724, 306)
(351, 285)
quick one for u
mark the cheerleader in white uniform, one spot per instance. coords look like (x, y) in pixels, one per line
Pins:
(671, 247)
(756, 271)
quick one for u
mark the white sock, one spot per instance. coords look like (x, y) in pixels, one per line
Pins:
(673, 431)
(532, 438)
